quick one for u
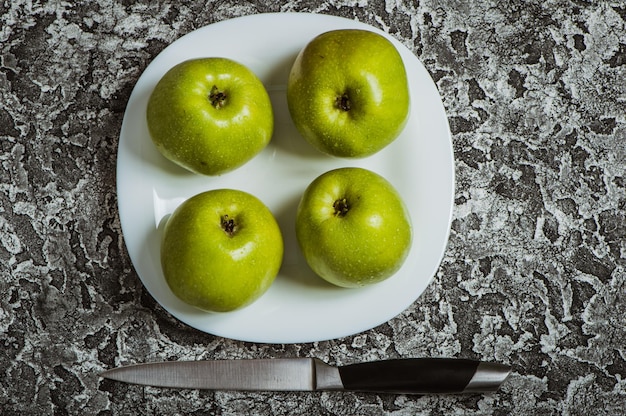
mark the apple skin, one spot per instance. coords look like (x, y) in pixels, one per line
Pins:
(207, 267)
(194, 126)
(353, 67)
(353, 227)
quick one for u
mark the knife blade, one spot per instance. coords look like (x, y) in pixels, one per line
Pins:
(406, 376)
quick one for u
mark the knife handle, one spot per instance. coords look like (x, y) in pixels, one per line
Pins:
(423, 376)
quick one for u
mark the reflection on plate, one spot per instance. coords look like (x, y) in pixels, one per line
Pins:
(299, 307)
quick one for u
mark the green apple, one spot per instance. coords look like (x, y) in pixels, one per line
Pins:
(221, 250)
(210, 115)
(348, 93)
(353, 227)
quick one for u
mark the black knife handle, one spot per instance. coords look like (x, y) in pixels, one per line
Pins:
(411, 375)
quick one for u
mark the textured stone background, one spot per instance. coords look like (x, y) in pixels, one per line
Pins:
(534, 274)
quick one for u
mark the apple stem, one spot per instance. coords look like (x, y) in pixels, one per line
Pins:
(343, 102)
(228, 225)
(341, 207)
(217, 97)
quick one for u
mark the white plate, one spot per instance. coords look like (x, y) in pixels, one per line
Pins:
(299, 307)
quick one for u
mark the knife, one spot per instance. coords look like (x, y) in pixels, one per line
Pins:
(407, 376)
